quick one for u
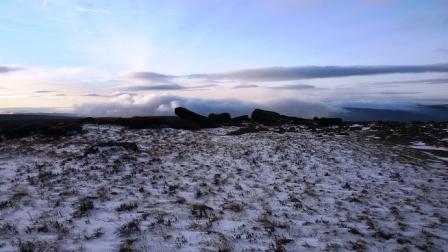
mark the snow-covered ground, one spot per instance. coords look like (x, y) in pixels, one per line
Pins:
(173, 190)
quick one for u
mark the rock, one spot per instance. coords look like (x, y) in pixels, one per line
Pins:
(203, 121)
(246, 130)
(266, 117)
(129, 146)
(223, 118)
(347, 186)
(201, 210)
(296, 120)
(241, 119)
(280, 130)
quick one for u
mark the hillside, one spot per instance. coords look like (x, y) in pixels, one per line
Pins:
(112, 188)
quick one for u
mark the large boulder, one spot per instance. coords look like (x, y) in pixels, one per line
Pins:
(266, 117)
(223, 118)
(240, 119)
(203, 121)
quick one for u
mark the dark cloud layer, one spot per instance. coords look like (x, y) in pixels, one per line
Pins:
(164, 87)
(4, 69)
(155, 87)
(423, 81)
(151, 76)
(294, 87)
(297, 73)
(311, 72)
(97, 95)
(398, 93)
(245, 86)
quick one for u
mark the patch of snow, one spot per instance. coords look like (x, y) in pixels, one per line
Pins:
(427, 147)
(204, 190)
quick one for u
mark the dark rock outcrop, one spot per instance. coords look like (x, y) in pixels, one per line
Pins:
(296, 120)
(274, 118)
(223, 118)
(201, 120)
(241, 119)
(266, 117)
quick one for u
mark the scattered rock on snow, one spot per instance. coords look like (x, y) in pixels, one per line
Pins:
(246, 130)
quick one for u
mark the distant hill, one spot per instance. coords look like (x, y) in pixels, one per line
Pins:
(29, 119)
(438, 113)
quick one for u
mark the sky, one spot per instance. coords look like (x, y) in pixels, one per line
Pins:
(144, 57)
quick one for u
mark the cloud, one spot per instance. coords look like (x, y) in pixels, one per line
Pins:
(5, 69)
(202, 86)
(44, 91)
(398, 93)
(155, 87)
(57, 75)
(271, 74)
(151, 76)
(245, 86)
(423, 81)
(144, 105)
(165, 87)
(92, 10)
(133, 105)
(294, 87)
(312, 72)
(97, 95)
(441, 50)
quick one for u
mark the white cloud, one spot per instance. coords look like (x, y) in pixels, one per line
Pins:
(72, 81)
(141, 105)
(92, 10)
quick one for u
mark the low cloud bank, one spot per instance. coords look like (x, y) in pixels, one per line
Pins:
(147, 105)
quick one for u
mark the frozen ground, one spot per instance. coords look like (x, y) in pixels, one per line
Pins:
(113, 189)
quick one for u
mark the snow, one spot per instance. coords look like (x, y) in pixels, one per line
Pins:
(437, 152)
(204, 191)
(423, 146)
